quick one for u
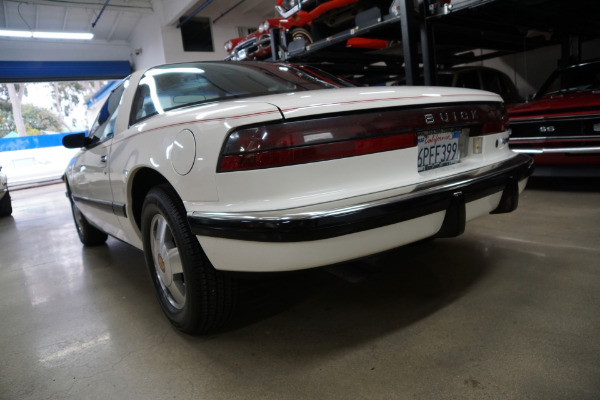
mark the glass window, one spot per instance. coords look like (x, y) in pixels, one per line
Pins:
(491, 81)
(468, 79)
(165, 88)
(196, 35)
(445, 79)
(584, 77)
(104, 126)
(509, 90)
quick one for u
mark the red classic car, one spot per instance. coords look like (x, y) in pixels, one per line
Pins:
(257, 45)
(561, 124)
(289, 8)
(319, 19)
(307, 21)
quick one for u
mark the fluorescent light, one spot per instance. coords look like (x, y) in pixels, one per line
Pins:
(7, 33)
(63, 35)
(47, 35)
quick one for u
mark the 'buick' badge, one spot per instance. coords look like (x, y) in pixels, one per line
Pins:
(453, 116)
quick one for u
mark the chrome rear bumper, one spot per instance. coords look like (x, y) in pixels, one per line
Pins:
(342, 218)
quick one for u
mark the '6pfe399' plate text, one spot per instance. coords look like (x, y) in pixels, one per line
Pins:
(438, 149)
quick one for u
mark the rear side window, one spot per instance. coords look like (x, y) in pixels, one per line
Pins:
(468, 79)
(491, 81)
(444, 79)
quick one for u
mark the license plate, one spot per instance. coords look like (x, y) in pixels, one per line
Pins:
(438, 149)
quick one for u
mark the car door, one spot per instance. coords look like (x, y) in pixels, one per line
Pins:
(91, 184)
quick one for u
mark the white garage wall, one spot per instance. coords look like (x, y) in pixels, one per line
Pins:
(146, 43)
(165, 45)
(222, 31)
(172, 10)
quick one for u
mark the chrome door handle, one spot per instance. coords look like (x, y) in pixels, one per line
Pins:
(103, 159)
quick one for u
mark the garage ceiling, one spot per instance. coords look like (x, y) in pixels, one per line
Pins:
(115, 22)
(217, 9)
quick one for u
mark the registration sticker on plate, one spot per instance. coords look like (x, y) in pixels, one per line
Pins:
(438, 149)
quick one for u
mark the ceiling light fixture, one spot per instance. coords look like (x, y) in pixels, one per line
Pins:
(47, 35)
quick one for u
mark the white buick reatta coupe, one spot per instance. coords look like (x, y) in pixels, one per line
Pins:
(217, 167)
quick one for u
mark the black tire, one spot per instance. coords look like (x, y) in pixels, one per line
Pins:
(302, 34)
(194, 296)
(5, 205)
(88, 235)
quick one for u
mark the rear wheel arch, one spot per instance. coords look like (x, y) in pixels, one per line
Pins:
(143, 181)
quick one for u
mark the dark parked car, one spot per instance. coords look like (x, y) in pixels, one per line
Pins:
(483, 78)
(477, 77)
(561, 124)
(5, 203)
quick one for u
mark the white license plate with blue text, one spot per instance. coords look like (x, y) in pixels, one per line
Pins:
(438, 149)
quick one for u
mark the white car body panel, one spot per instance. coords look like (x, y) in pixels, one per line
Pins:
(271, 257)
(90, 177)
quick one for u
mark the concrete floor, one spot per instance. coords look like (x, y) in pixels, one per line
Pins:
(509, 310)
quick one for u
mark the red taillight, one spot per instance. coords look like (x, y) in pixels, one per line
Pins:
(315, 140)
(328, 138)
(492, 119)
(492, 127)
(313, 153)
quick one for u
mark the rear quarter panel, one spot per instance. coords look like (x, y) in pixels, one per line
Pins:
(150, 144)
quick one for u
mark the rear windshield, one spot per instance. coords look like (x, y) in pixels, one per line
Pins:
(582, 77)
(180, 85)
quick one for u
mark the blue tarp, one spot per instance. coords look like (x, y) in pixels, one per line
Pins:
(32, 142)
(50, 71)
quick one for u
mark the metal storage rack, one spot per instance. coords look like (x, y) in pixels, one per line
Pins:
(426, 34)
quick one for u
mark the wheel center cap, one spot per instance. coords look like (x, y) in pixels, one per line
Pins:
(164, 268)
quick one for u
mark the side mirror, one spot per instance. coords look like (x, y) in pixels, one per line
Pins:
(75, 141)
